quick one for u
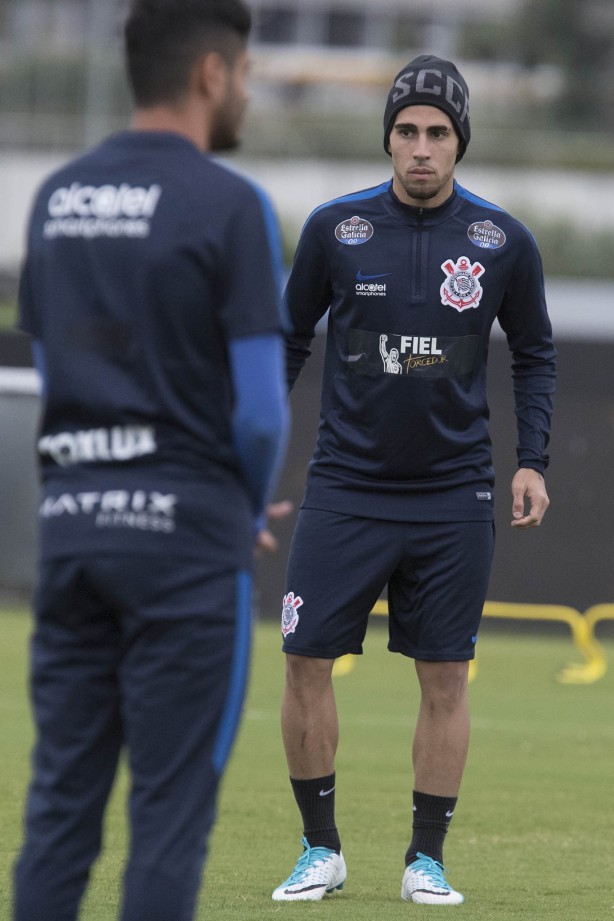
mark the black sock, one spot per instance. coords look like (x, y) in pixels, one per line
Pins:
(432, 816)
(316, 800)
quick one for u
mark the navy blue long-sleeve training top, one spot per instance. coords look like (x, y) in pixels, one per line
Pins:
(413, 293)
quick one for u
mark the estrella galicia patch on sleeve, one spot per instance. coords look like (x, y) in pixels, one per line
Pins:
(289, 615)
(486, 235)
(354, 231)
(373, 354)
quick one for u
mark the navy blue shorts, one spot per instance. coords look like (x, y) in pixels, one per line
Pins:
(437, 576)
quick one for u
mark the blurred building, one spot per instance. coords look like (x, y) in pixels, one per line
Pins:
(62, 83)
(393, 25)
(389, 24)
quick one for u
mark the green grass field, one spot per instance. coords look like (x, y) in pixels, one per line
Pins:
(531, 838)
(8, 315)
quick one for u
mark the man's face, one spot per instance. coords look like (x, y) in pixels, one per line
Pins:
(423, 146)
(228, 115)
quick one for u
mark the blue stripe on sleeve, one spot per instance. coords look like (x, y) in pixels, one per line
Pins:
(272, 231)
(260, 416)
(274, 240)
(355, 197)
(38, 357)
(475, 199)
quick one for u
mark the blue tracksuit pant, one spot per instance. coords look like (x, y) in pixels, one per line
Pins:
(148, 656)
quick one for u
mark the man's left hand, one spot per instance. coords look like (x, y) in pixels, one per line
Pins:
(528, 484)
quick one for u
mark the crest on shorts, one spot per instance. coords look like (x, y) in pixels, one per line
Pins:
(461, 288)
(289, 615)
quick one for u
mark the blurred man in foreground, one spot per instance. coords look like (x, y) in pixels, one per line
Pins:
(150, 290)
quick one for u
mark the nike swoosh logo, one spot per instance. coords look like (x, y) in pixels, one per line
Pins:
(305, 889)
(361, 277)
(449, 815)
(326, 792)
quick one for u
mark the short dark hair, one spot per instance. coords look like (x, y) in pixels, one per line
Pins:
(165, 38)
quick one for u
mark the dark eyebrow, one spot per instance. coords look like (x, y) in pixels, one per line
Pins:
(430, 127)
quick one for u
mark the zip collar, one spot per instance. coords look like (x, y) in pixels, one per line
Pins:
(421, 217)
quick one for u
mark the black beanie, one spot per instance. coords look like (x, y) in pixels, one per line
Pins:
(430, 81)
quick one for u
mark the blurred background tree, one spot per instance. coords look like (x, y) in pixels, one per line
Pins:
(577, 38)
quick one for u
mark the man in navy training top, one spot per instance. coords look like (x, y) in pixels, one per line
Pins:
(400, 489)
(152, 290)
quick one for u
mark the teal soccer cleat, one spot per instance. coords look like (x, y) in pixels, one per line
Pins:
(424, 882)
(318, 871)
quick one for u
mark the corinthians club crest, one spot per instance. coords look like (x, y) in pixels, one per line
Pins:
(289, 615)
(462, 288)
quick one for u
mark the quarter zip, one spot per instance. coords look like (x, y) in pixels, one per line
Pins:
(420, 252)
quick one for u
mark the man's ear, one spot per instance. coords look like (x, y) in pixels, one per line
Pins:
(210, 75)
